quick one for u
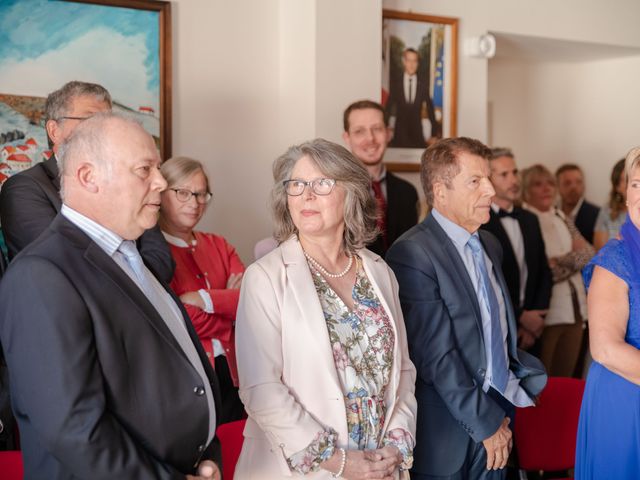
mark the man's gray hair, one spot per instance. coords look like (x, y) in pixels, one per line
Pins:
(338, 163)
(59, 102)
(87, 142)
(498, 152)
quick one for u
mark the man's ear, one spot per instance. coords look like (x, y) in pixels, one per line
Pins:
(347, 139)
(87, 176)
(53, 130)
(438, 192)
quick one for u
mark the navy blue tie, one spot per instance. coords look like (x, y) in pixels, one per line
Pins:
(500, 370)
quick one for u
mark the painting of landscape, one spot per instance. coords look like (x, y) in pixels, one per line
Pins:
(44, 44)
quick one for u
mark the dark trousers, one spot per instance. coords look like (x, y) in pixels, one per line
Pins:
(475, 463)
(231, 408)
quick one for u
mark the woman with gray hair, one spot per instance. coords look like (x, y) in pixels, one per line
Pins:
(324, 370)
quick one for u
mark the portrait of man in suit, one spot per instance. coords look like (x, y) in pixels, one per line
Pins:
(108, 378)
(410, 107)
(460, 322)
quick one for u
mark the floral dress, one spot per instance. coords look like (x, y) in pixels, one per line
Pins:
(362, 341)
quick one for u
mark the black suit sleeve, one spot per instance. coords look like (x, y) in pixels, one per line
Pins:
(25, 212)
(156, 254)
(432, 344)
(56, 377)
(542, 291)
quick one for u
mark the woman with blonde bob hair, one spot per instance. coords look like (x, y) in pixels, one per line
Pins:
(207, 275)
(324, 370)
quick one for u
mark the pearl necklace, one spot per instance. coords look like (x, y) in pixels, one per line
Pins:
(324, 271)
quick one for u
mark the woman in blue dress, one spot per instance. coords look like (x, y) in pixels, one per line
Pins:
(609, 430)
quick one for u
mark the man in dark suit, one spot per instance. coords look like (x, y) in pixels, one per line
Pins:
(107, 374)
(460, 322)
(409, 104)
(366, 133)
(524, 262)
(570, 180)
(30, 200)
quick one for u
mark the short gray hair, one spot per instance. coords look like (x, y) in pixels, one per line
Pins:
(88, 141)
(498, 152)
(177, 169)
(58, 103)
(338, 163)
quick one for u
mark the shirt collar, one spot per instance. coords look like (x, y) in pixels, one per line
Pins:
(105, 238)
(177, 242)
(454, 231)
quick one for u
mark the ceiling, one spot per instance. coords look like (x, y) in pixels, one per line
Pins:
(523, 47)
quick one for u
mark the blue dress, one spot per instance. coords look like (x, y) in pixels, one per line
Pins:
(608, 445)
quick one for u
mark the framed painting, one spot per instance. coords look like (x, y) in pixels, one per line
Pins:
(419, 83)
(123, 45)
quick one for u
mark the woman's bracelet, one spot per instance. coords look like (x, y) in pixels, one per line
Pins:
(343, 464)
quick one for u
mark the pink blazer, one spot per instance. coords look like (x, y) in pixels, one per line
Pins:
(288, 380)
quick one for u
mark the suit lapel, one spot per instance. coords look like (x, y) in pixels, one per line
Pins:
(453, 257)
(51, 169)
(308, 304)
(120, 280)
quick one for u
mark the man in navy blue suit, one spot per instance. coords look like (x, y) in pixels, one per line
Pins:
(460, 322)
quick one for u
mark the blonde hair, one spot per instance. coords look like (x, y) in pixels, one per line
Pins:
(530, 174)
(177, 169)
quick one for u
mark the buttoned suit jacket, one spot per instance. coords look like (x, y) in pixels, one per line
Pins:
(407, 131)
(446, 344)
(402, 211)
(30, 200)
(537, 292)
(586, 220)
(100, 386)
(288, 379)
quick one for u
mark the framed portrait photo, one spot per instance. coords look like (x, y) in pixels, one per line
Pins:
(419, 83)
(123, 45)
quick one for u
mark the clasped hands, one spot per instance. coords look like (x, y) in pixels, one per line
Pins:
(381, 463)
(531, 326)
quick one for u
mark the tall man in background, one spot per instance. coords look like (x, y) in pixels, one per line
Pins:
(108, 377)
(409, 107)
(524, 262)
(366, 133)
(571, 188)
(460, 322)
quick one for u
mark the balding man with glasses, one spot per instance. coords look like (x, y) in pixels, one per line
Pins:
(30, 200)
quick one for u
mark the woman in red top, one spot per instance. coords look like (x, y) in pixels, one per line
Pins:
(207, 275)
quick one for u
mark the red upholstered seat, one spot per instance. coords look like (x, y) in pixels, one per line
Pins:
(11, 465)
(231, 438)
(545, 435)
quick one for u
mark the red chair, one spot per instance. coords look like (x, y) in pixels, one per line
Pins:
(11, 465)
(545, 435)
(231, 438)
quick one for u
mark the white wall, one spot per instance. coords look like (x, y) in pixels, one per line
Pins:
(553, 113)
(252, 77)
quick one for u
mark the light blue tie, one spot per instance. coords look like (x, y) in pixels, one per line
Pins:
(500, 370)
(134, 260)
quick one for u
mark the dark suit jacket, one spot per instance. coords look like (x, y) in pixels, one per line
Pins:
(444, 329)
(407, 132)
(537, 292)
(101, 388)
(30, 200)
(402, 211)
(586, 220)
